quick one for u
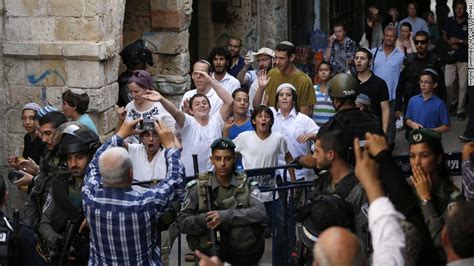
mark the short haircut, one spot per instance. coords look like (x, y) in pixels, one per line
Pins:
(433, 76)
(423, 34)
(283, 47)
(3, 189)
(391, 28)
(79, 101)
(262, 109)
(234, 93)
(415, 4)
(365, 51)
(115, 171)
(55, 117)
(334, 140)
(197, 95)
(222, 51)
(338, 24)
(205, 62)
(460, 228)
(235, 38)
(460, 2)
(406, 24)
(325, 63)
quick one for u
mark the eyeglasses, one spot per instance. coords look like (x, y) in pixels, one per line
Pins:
(425, 82)
(417, 42)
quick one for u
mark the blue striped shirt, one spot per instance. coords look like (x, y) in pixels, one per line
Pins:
(323, 109)
(123, 221)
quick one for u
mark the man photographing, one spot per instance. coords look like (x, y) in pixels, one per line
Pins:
(123, 221)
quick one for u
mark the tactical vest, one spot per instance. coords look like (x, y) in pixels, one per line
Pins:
(233, 239)
(5, 233)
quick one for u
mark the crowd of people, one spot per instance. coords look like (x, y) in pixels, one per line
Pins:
(172, 169)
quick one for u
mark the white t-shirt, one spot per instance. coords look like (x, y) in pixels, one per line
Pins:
(260, 153)
(229, 83)
(291, 128)
(252, 91)
(214, 99)
(156, 111)
(197, 139)
(144, 170)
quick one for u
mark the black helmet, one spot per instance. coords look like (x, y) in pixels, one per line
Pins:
(135, 53)
(77, 138)
(324, 211)
(343, 85)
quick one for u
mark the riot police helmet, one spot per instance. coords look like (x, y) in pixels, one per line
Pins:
(77, 138)
(343, 85)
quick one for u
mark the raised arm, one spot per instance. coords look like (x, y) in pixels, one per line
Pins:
(155, 96)
(226, 109)
(262, 83)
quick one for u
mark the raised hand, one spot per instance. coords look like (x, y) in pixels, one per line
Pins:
(422, 183)
(262, 78)
(375, 143)
(166, 135)
(152, 96)
(128, 128)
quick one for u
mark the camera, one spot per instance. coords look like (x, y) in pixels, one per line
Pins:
(147, 125)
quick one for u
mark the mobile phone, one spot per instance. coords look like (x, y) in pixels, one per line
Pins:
(14, 176)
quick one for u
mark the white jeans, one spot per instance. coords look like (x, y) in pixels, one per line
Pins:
(459, 68)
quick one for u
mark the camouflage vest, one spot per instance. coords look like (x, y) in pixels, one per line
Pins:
(244, 237)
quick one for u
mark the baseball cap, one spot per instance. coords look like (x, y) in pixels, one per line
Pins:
(265, 51)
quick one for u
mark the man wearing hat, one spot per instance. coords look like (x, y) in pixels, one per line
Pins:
(246, 76)
(285, 72)
(135, 56)
(237, 210)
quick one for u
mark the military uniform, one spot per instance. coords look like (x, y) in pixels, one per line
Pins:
(50, 167)
(64, 203)
(241, 211)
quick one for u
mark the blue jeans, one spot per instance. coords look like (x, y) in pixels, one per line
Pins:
(278, 233)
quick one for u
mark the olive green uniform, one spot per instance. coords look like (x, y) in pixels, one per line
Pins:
(240, 209)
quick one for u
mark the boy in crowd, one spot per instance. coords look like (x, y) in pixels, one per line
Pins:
(75, 104)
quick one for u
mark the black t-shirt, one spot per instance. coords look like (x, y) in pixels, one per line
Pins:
(458, 30)
(377, 90)
(33, 149)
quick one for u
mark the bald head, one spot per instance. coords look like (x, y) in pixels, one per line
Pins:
(115, 167)
(338, 246)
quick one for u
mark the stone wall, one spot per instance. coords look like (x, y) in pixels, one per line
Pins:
(53, 45)
(164, 25)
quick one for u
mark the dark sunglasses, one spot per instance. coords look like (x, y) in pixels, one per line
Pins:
(421, 41)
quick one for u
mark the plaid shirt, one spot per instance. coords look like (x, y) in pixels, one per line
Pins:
(123, 221)
(340, 53)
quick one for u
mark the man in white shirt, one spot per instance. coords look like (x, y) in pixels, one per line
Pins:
(221, 60)
(202, 87)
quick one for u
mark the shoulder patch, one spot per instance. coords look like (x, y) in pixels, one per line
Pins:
(257, 195)
(191, 183)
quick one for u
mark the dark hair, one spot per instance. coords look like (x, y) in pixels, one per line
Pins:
(295, 100)
(235, 38)
(433, 76)
(239, 90)
(366, 51)
(406, 24)
(55, 117)
(262, 109)
(197, 95)
(222, 51)
(325, 63)
(3, 189)
(338, 24)
(79, 101)
(460, 2)
(289, 49)
(415, 4)
(423, 34)
(334, 140)
(460, 229)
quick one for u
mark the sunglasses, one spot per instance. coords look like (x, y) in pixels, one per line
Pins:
(421, 42)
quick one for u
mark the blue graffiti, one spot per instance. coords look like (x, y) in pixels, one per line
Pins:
(35, 80)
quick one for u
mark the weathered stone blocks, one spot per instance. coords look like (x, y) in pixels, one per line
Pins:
(85, 74)
(167, 42)
(170, 64)
(103, 98)
(66, 8)
(78, 29)
(20, 8)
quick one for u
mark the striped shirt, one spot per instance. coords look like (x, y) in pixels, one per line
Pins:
(468, 179)
(123, 221)
(323, 109)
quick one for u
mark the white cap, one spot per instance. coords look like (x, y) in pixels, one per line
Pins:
(265, 51)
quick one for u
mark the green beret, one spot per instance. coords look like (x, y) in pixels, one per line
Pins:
(223, 143)
(423, 135)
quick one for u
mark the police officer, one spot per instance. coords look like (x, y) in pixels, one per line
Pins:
(237, 210)
(50, 166)
(135, 56)
(63, 207)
